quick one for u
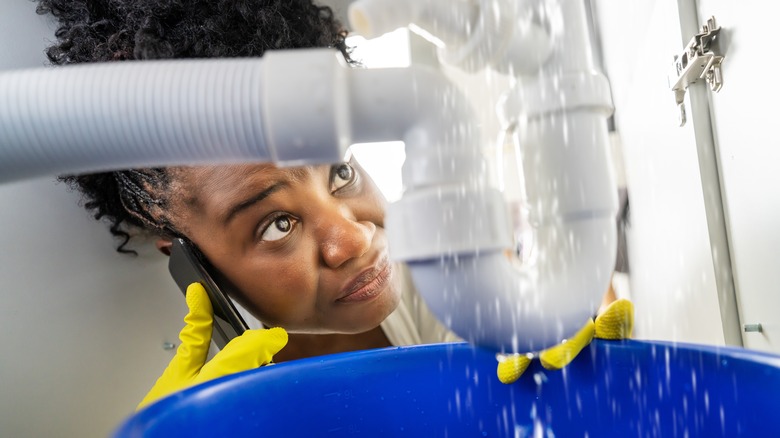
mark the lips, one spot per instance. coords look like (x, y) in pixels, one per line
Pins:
(367, 284)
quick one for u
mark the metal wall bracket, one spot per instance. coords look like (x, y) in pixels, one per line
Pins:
(699, 60)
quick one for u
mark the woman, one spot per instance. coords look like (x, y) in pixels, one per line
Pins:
(304, 248)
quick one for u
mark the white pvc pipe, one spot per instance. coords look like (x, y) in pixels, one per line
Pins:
(99, 117)
(572, 50)
(421, 107)
(477, 291)
(496, 304)
(490, 301)
(448, 20)
(480, 294)
(290, 108)
(472, 34)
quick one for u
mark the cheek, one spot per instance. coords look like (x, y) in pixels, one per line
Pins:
(279, 291)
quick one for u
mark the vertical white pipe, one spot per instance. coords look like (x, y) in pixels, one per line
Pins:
(448, 20)
(480, 294)
(572, 49)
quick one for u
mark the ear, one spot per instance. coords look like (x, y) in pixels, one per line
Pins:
(164, 246)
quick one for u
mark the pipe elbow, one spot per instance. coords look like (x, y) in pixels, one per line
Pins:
(422, 108)
(490, 302)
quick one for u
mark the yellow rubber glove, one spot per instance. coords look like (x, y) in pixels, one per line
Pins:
(616, 322)
(188, 367)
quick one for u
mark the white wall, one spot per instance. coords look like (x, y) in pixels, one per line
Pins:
(81, 327)
(705, 197)
(672, 275)
(748, 149)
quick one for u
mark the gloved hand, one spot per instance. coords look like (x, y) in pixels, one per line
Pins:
(616, 322)
(188, 367)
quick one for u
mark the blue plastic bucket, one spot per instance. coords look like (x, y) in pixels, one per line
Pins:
(613, 388)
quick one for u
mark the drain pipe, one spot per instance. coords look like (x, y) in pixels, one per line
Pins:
(99, 117)
(292, 107)
(560, 106)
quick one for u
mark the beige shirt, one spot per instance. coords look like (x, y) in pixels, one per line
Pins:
(412, 323)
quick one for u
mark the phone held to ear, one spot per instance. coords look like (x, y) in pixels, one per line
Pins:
(187, 265)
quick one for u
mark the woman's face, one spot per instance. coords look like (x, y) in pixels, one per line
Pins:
(305, 248)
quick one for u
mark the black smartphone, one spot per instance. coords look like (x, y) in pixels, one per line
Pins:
(187, 265)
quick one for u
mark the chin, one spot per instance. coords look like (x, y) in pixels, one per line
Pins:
(371, 315)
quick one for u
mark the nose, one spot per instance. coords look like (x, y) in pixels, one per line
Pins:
(343, 237)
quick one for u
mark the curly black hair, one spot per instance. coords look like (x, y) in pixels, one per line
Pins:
(135, 201)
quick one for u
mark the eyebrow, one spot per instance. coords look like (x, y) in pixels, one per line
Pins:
(245, 204)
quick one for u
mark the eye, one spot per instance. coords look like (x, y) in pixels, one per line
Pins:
(278, 229)
(341, 175)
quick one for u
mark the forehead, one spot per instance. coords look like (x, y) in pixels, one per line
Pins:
(218, 187)
(227, 177)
